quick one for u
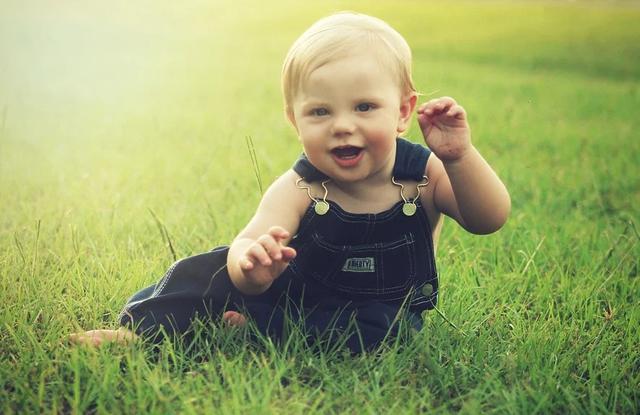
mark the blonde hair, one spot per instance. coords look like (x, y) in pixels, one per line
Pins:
(337, 36)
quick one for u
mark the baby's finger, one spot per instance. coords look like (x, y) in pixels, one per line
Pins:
(288, 253)
(438, 105)
(271, 246)
(246, 264)
(278, 232)
(447, 101)
(423, 121)
(456, 112)
(257, 254)
(443, 104)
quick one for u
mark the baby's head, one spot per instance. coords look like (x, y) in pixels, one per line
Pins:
(338, 36)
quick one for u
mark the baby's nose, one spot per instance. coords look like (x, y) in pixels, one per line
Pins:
(343, 124)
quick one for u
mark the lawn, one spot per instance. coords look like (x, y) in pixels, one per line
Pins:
(124, 125)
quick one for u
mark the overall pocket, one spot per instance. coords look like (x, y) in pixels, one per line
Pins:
(318, 259)
(382, 270)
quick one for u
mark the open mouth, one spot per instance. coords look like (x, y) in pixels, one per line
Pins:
(346, 152)
(347, 156)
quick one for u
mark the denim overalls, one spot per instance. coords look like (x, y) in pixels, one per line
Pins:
(360, 271)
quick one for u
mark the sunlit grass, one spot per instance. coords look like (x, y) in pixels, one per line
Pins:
(111, 112)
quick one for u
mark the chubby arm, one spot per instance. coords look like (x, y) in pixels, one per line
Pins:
(465, 187)
(259, 253)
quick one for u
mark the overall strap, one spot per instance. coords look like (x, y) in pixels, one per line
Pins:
(411, 160)
(410, 163)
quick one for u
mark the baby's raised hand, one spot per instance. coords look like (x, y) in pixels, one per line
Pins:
(267, 257)
(445, 129)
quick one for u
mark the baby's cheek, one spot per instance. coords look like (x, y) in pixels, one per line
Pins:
(384, 135)
(312, 134)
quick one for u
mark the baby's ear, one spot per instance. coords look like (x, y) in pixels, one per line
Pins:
(407, 105)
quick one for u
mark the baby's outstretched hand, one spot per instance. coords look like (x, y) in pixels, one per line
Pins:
(445, 129)
(267, 257)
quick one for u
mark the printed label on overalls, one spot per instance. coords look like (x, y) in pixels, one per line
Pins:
(359, 265)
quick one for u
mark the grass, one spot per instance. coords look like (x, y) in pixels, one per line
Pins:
(123, 126)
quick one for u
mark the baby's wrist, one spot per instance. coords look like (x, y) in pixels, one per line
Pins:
(459, 158)
(253, 288)
(249, 286)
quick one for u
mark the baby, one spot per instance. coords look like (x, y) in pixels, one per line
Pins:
(346, 238)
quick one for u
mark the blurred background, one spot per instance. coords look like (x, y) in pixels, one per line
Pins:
(111, 109)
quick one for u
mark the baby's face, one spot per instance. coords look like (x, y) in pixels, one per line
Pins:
(347, 114)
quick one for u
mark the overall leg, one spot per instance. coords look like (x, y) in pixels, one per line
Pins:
(193, 286)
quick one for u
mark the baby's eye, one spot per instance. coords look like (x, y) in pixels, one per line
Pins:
(364, 107)
(319, 112)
